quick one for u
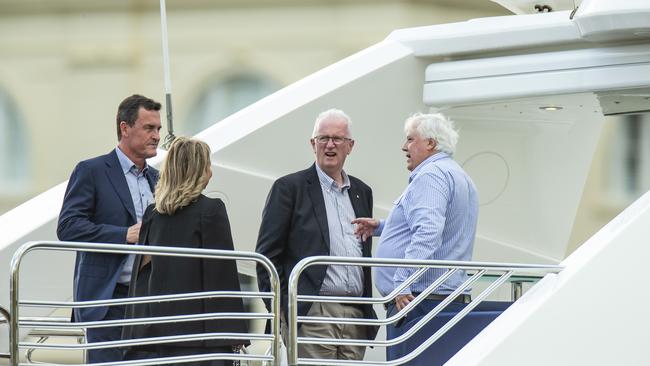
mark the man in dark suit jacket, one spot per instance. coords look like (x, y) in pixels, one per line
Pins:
(104, 203)
(310, 213)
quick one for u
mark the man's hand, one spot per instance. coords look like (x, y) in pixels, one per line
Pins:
(365, 227)
(133, 233)
(402, 300)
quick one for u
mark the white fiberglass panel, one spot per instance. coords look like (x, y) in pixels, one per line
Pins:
(609, 20)
(539, 62)
(591, 313)
(530, 166)
(254, 147)
(490, 34)
(531, 75)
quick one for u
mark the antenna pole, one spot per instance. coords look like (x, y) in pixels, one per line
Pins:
(168, 82)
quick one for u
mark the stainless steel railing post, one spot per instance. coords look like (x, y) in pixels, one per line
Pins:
(274, 279)
(6, 316)
(292, 314)
(517, 290)
(13, 304)
(277, 342)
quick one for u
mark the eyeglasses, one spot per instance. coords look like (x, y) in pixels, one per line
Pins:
(337, 140)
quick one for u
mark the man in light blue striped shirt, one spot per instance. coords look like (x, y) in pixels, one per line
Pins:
(434, 218)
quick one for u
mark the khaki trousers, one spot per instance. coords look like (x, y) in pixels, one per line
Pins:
(330, 330)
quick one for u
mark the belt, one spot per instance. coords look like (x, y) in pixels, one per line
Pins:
(462, 299)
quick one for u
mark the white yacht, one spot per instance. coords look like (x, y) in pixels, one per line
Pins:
(529, 93)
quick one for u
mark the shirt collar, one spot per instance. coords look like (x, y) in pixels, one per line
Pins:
(437, 156)
(329, 183)
(126, 163)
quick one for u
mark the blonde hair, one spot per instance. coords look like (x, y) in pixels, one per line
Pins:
(184, 174)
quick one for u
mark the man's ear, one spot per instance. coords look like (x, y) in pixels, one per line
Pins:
(123, 128)
(313, 144)
(432, 144)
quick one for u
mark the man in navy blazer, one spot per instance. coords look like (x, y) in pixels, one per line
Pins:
(104, 203)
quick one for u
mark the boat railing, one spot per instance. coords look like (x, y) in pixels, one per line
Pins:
(4, 320)
(45, 334)
(53, 326)
(496, 273)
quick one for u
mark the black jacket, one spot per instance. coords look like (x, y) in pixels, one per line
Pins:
(294, 226)
(202, 224)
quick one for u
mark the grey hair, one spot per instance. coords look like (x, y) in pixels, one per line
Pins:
(332, 114)
(434, 126)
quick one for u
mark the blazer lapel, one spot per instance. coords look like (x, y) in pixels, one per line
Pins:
(361, 209)
(318, 204)
(357, 203)
(117, 179)
(152, 178)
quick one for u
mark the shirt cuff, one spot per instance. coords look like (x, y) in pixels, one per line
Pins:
(406, 291)
(379, 228)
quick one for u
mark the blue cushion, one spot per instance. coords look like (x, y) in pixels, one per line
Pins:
(452, 341)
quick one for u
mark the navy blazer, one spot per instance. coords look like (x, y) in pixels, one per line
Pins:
(97, 207)
(294, 226)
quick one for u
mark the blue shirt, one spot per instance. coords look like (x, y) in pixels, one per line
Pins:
(434, 218)
(140, 194)
(340, 280)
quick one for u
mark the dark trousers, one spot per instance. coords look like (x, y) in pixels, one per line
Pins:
(451, 342)
(171, 351)
(403, 325)
(108, 333)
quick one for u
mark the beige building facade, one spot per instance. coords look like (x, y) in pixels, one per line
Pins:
(65, 65)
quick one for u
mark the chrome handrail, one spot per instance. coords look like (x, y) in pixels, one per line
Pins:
(148, 341)
(404, 311)
(28, 322)
(5, 319)
(506, 270)
(385, 299)
(16, 322)
(46, 333)
(147, 299)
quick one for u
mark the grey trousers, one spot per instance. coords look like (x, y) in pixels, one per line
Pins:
(330, 330)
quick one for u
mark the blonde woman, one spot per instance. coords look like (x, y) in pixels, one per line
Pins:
(183, 217)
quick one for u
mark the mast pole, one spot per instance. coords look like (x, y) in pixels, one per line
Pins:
(168, 82)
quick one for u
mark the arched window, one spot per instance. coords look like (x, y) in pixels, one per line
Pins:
(14, 159)
(224, 97)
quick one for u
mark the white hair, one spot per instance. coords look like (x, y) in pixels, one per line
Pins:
(434, 126)
(335, 114)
